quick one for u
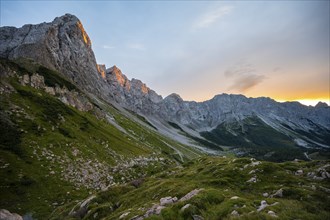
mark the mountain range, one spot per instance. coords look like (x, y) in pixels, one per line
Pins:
(54, 95)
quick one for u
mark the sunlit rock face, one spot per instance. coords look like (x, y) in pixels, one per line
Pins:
(101, 69)
(132, 94)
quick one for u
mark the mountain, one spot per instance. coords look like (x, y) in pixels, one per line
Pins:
(79, 140)
(63, 45)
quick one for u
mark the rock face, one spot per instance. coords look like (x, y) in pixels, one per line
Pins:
(132, 94)
(62, 45)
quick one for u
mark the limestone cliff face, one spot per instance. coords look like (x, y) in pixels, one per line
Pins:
(132, 94)
(62, 45)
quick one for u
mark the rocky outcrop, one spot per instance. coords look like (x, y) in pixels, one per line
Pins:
(166, 201)
(6, 215)
(72, 98)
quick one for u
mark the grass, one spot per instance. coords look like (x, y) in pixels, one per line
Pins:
(299, 200)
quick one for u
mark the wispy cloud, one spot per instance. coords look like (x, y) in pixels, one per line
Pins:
(108, 47)
(244, 77)
(136, 46)
(212, 16)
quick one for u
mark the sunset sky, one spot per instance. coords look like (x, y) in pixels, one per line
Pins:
(278, 49)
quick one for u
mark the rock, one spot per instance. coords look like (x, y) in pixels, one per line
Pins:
(50, 90)
(271, 213)
(154, 210)
(137, 183)
(197, 217)
(265, 194)
(167, 201)
(159, 209)
(25, 80)
(6, 215)
(252, 180)
(263, 204)
(234, 197)
(124, 215)
(253, 164)
(190, 195)
(234, 213)
(299, 172)
(278, 194)
(185, 207)
(37, 81)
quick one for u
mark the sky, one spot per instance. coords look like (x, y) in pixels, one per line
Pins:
(197, 49)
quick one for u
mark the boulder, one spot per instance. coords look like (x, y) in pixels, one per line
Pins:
(6, 215)
(185, 207)
(263, 205)
(167, 200)
(278, 194)
(124, 215)
(299, 172)
(197, 217)
(234, 213)
(190, 195)
(271, 213)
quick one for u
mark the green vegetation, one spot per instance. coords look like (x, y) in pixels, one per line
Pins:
(221, 179)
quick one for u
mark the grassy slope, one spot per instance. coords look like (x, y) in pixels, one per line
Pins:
(256, 138)
(44, 137)
(221, 178)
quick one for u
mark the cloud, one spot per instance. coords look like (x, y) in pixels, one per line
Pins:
(244, 77)
(212, 16)
(108, 47)
(136, 46)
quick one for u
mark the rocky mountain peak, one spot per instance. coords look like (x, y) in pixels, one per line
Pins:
(115, 74)
(138, 84)
(321, 105)
(174, 97)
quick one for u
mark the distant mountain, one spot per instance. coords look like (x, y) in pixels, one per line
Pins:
(63, 45)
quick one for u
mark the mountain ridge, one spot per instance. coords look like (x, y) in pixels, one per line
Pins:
(66, 47)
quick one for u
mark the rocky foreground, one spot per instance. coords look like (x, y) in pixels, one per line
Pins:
(216, 188)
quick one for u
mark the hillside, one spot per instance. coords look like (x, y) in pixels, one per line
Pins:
(53, 153)
(215, 188)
